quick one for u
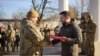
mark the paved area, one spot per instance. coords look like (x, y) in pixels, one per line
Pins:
(43, 55)
(55, 51)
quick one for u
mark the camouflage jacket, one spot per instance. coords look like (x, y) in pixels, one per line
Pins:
(31, 37)
(11, 35)
(88, 30)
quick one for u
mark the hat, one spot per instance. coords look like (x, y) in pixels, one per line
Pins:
(32, 14)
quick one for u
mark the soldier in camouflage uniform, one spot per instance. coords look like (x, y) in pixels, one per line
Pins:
(10, 38)
(56, 30)
(46, 31)
(1, 49)
(88, 29)
(31, 37)
(83, 45)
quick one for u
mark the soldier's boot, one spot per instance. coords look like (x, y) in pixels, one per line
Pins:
(92, 51)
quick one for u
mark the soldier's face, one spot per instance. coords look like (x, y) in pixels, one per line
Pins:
(34, 19)
(87, 19)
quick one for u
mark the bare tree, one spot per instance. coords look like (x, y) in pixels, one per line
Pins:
(18, 16)
(84, 5)
(81, 6)
(73, 12)
(42, 7)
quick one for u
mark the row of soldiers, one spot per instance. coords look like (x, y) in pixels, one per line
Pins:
(9, 39)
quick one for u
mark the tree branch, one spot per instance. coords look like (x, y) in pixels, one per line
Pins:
(33, 3)
(43, 7)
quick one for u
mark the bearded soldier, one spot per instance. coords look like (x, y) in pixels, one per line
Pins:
(88, 28)
(31, 37)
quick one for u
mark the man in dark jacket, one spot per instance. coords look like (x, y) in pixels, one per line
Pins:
(3, 38)
(72, 33)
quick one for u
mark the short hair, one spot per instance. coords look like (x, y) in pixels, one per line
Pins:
(65, 13)
(32, 13)
(87, 14)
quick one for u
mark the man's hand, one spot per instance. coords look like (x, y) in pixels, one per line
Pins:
(64, 39)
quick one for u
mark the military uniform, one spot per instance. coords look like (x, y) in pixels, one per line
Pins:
(83, 45)
(10, 39)
(31, 39)
(1, 49)
(56, 30)
(46, 31)
(89, 29)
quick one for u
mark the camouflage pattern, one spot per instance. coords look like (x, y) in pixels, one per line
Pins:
(31, 39)
(10, 38)
(1, 49)
(46, 31)
(56, 30)
(88, 32)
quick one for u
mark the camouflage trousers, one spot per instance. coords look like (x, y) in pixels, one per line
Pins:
(88, 47)
(31, 54)
(30, 51)
(10, 46)
(1, 51)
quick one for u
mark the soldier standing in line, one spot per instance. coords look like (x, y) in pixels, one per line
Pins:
(10, 38)
(82, 26)
(56, 30)
(89, 28)
(17, 41)
(3, 38)
(46, 31)
(1, 49)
